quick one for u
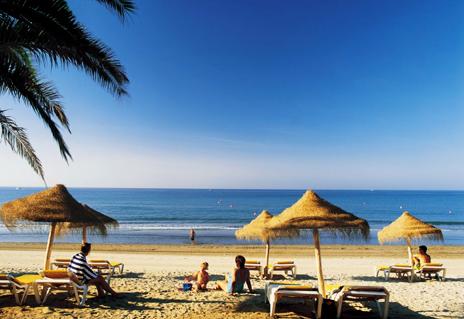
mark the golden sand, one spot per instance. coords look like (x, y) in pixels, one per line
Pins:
(154, 274)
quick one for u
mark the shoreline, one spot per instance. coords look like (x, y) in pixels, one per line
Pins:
(356, 250)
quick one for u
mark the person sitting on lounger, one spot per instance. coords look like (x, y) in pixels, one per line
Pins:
(201, 277)
(422, 257)
(239, 277)
(84, 273)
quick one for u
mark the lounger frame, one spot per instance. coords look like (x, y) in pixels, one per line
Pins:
(286, 268)
(274, 293)
(360, 295)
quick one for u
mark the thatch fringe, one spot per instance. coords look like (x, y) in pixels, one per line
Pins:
(409, 227)
(314, 212)
(257, 229)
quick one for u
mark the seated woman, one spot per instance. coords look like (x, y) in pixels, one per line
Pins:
(421, 258)
(201, 277)
(240, 275)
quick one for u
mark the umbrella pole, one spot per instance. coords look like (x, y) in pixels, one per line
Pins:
(411, 262)
(317, 254)
(48, 252)
(84, 234)
(268, 247)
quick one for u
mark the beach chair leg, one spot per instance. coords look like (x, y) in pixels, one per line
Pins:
(443, 276)
(121, 270)
(339, 307)
(36, 293)
(25, 294)
(319, 307)
(386, 306)
(45, 293)
(273, 305)
(15, 293)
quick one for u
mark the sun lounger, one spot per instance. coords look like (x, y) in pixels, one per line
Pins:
(401, 271)
(19, 286)
(60, 263)
(285, 266)
(104, 266)
(360, 294)
(100, 265)
(254, 265)
(429, 269)
(274, 292)
(59, 280)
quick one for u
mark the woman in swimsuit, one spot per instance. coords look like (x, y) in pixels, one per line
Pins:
(239, 277)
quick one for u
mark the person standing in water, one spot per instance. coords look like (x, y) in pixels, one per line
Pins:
(192, 235)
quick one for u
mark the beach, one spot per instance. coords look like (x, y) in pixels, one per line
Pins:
(155, 272)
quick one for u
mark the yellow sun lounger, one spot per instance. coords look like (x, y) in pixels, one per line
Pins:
(100, 265)
(361, 294)
(275, 292)
(19, 286)
(61, 263)
(59, 280)
(429, 269)
(285, 266)
(254, 265)
(110, 266)
(400, 270)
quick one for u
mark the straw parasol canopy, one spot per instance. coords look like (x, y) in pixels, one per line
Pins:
(257, 230)
(98, 224)
(313, 212)
(54, 205)
(407, 227)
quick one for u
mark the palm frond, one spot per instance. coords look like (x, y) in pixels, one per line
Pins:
(121, 7)
(49, 29)
(16, 137)
(19, 79)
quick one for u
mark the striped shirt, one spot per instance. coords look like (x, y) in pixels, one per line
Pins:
(79, 267)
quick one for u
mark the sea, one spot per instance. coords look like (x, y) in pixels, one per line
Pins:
(165, 216)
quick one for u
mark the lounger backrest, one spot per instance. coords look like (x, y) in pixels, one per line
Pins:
(432, 265)
(56, 274)
(296, 287)
(252, 262)
(365, 288)
(100, 261)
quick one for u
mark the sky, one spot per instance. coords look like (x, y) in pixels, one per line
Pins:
(263, 94)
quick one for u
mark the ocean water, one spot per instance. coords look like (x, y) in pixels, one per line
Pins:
(165, 216)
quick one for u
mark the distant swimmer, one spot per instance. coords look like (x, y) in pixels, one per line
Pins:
(192, 235)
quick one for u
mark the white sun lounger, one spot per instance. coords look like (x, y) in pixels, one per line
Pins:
(360, 294)
(254, 265)
(59, 281)
(285, 266)
(18, 286)
(401, 271)
(429, 269)
(274, 292)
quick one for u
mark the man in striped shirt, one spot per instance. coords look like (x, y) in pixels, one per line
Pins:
(81, 269)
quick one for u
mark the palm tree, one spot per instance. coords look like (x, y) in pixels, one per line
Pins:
(34, 32)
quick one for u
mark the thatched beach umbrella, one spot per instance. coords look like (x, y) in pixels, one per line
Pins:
(99, 224)
(313, 212)
(407, 227)
(257, 230)
(54, 205)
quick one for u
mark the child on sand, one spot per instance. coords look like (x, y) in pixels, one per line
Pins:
(201, 277)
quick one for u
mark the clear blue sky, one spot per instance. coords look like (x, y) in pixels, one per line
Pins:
(268, 94)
